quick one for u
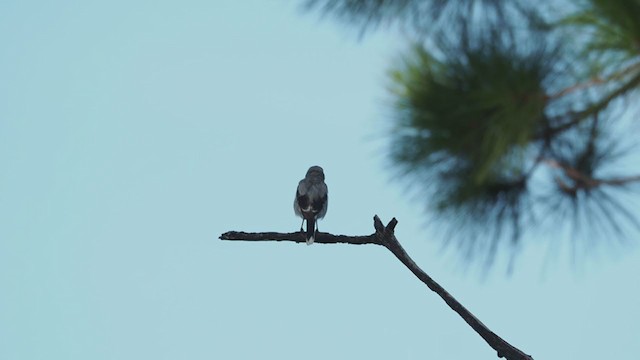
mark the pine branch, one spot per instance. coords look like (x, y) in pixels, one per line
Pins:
(602, 104)
(385, 236)
(596, 80)
(574, 118)
(583, 181)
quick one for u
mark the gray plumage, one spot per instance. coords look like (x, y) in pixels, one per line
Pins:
(311, 200)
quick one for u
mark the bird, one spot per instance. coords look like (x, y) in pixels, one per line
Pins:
(311, 201)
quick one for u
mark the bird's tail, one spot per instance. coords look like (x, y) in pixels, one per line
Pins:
(311, 230)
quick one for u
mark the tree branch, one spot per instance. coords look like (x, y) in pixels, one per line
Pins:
(583, 181)
(596, 80)
(385, 236)
(300, 237)
(574, 118)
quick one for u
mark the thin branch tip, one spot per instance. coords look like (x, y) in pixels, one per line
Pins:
(377, 223)
(392, 224)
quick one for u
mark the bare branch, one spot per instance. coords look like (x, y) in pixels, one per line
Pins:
(385, 236)
(299, 237)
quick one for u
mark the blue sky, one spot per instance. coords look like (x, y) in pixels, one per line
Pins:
(132, 134)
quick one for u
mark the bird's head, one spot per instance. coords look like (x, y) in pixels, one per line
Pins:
(315, 172)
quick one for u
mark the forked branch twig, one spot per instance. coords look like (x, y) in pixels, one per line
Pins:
(385, 236)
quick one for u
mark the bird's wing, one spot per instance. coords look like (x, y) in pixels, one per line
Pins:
(302, 198)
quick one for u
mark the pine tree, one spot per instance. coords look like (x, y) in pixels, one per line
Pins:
(513, 115)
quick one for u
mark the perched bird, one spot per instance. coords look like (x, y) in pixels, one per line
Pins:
(311, 200)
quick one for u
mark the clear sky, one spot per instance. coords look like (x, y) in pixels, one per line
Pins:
(134, 133)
